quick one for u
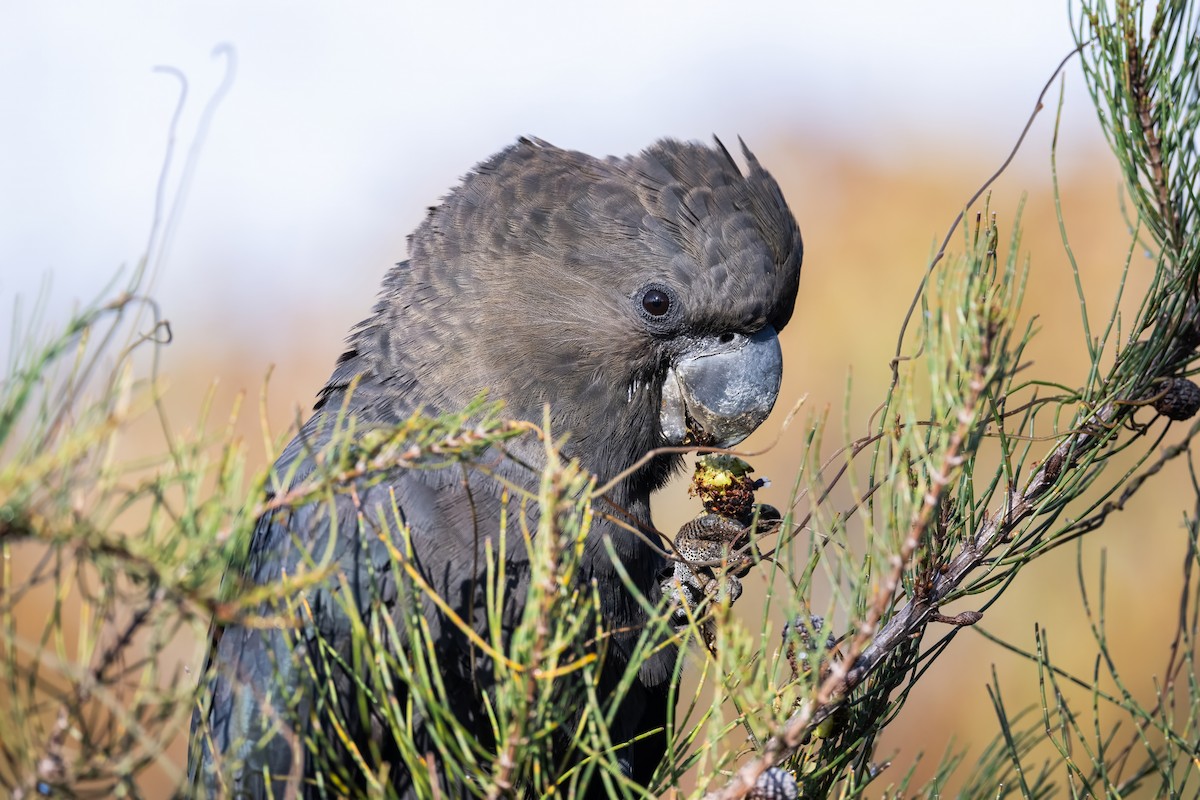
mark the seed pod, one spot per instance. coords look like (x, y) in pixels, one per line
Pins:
(724, 485)
(1179, 401)
(775, 784)
(799, 639)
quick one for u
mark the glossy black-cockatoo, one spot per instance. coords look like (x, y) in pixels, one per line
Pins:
(639, 299)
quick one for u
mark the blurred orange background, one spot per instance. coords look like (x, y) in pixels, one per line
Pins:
(878, 124)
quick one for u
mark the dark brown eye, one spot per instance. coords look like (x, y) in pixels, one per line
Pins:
(656, 302)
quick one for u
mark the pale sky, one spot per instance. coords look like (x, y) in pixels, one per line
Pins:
(344, 121)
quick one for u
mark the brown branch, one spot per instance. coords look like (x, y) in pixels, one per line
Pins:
(1015, 508)
(1094, 521)
(845, 673)
(1145, 108)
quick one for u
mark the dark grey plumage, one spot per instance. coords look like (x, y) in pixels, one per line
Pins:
(529, 280)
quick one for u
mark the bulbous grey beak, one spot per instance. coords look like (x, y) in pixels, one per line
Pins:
(721, 388)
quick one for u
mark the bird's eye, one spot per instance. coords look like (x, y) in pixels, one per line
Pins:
(656, 302)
